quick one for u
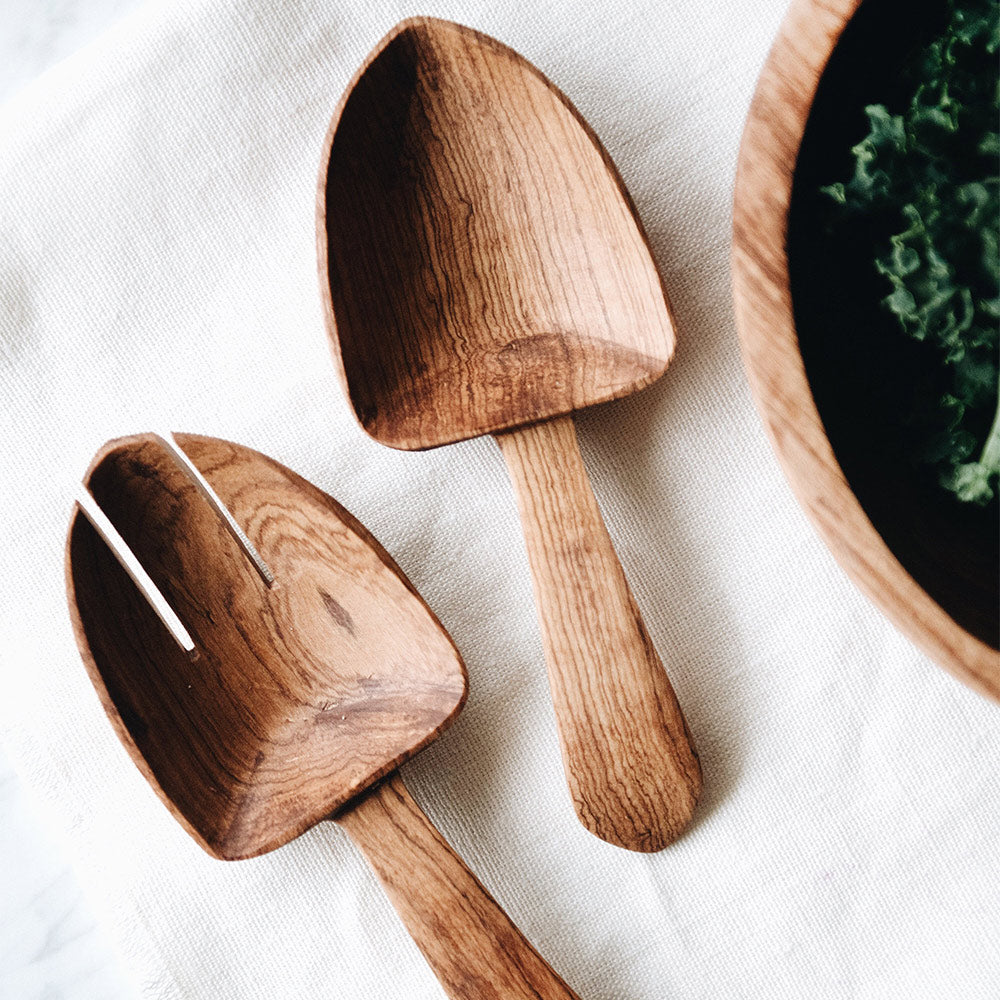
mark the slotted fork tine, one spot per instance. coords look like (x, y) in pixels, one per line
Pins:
(167, 439)
(130, 562)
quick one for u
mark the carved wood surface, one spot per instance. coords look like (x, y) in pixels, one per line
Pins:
(483, 269)
(764, 313)
(300, 696)
(632, 772)
(468, 940)
(480, 259)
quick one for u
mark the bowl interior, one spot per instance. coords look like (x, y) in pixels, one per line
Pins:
(863, 372)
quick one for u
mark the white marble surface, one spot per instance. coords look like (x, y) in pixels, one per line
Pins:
(51, 943)
(39, 33)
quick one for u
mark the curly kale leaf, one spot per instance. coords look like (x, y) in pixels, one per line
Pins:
(934, 169)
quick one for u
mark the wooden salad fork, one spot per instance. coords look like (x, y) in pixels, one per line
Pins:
(267, 665)
(484, 272)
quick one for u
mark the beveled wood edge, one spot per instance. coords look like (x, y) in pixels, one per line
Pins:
(322, 248)
(121, 730)
(769, 344)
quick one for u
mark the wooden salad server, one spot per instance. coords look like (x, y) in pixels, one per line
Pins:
(267, 665)
(484, 272)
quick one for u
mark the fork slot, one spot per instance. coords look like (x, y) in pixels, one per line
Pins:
(130, 563)
(224, 513)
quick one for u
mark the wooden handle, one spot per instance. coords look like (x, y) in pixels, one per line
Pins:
(469, 942)
(632, 771)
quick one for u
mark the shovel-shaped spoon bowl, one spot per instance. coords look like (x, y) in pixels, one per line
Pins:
(484, 271)
(313, 669)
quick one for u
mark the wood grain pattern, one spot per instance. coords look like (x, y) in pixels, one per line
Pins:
(289, 709)
(468, 940)
(482, 269)
(633, 774)
(301, 695)
(764, 313)
(480, 259)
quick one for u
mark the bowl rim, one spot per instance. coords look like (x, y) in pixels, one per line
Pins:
(765, 171)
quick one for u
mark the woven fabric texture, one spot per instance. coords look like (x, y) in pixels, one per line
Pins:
(157, 270)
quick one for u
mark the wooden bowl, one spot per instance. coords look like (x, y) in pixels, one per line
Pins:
(806, 329)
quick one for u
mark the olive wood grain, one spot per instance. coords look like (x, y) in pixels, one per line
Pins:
(483, 268)
(481, 262)
(467, 939)
(624, 740)
(300, 695)
(766, 323)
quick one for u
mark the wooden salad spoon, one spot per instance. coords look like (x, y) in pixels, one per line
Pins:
(484, 272)
(267, 665)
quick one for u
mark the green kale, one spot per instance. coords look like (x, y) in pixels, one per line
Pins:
(932, 174)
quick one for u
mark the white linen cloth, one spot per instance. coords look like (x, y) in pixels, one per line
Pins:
(157, 269)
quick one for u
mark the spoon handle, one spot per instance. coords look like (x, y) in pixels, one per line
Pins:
(469, 942)
(632, 771)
